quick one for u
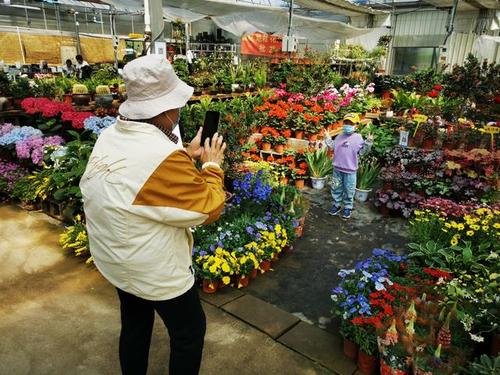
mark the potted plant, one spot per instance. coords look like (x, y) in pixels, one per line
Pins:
(367, 174)
(320, 167)
(279, 143)
(299, 176)
(81, 95)
(103, 96)
(19, 90)
(348, 332)
(260, 78)
(266, 142)
(368, 350)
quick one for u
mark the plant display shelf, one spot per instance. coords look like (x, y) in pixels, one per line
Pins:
(13, 115)
(220, 96)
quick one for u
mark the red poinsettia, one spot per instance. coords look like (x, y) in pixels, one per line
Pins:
(433, 94)
(437, 87)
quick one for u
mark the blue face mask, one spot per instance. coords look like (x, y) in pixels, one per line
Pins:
(348, 129)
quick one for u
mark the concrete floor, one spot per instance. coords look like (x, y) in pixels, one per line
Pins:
(58, 316)
(302, 281)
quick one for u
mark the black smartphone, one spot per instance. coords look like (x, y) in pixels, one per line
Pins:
(210, 126)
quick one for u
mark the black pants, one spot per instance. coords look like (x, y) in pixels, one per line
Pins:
(185, 320)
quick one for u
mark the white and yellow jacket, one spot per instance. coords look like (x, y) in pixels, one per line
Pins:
(142, 193)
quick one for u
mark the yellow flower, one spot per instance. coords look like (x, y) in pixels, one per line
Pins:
(226, 280)
(470, 233)
(460, 226)
(454, 241)
(225, 268)
(213, 268)
(475, 227)
(485, 228)
(496, 225)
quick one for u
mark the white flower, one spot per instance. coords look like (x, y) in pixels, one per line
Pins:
(476, 338)
(492, 255)
(334, 297)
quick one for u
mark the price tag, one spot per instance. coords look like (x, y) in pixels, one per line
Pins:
(491, 129)
(403, 138)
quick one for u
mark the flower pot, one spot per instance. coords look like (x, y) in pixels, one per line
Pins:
(361, 195)
(81, 99)
(299, 231)
(279, 148)
(428, 144)
(68, 99)
(265, 266)
(299, 134)
(318, 182)
(351, 349)
(367, 364)
(254, 272)
(313, 137)
(242, 281)
(210, 286)
(104, 101)
(299, 183)
(266, 146)
(384, 210)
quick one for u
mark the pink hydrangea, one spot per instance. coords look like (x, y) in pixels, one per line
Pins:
(34, 147)
(6, 128)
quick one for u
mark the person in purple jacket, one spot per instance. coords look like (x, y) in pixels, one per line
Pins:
(347, 147)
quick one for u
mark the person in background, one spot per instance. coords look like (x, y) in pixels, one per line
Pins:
(68, 69)
(142, 192)
(44, 67)
(347, 147)
(83, 69)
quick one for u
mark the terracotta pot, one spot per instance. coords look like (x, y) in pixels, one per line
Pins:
(299, 183)
(367, 364)
(265, 266)
(384, 210)
(253, 275)
(299, 134)
(68, 99)
(313, 137)
(279, 148)
(299, 231)
(242, 281)
(428, 144)
(266, 146)
(350, 349)
(210, 286)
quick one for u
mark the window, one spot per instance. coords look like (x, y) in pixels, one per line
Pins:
(420, 57)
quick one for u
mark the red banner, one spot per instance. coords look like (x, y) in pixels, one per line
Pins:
(262, 44)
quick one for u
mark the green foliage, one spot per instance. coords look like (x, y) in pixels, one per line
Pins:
(104, 75)
(368, 172)
(319, 163)
(181, 69)
(46, 88)
(403, 101)
(485, 365)
(21, 88)
(385, 139)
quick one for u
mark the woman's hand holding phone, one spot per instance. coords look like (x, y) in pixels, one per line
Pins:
(213, 150)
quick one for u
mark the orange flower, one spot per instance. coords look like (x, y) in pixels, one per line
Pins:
(286, 133)
(255, 157)
(303, 166)
(270, 159)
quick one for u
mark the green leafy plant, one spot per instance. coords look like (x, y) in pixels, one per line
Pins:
(485, 365)
(368, 172)
(319, 163)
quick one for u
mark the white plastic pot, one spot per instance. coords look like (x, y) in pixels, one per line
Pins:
(318, 182)
(361, 195)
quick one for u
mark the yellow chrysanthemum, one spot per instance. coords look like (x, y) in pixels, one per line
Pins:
(226, 280)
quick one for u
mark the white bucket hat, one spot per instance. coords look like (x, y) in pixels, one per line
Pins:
(152, 88)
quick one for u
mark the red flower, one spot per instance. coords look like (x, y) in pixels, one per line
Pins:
(270, 159)
(433, 94)
(303, 166)
(437, 87)
(287, 133)
(437, 273)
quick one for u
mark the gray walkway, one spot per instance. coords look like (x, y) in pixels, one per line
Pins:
(58, 316)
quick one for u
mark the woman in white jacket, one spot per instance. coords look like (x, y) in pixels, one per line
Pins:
(142, 193)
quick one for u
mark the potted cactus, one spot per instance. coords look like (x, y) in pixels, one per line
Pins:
(81, 94)
(103, 96)
(122, 90)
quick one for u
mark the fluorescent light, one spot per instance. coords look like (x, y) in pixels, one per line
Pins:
(21, 6)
